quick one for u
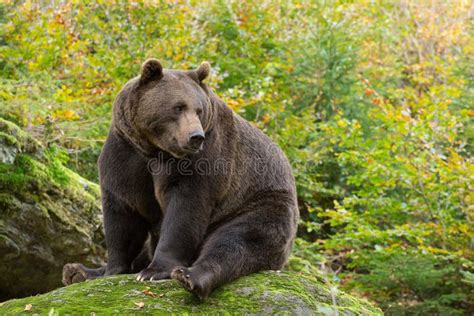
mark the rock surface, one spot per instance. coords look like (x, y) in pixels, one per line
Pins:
(48, 216)
(263, 293)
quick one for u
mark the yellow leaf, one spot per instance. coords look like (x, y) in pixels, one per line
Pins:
(266, 118)
(149, 293)
(342, 123)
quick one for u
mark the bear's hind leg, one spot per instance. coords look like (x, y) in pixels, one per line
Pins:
(76, 272)
(252, 242)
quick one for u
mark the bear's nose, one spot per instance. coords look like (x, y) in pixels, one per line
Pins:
(196, 139)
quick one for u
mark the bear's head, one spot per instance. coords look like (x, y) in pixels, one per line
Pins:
(165, 109)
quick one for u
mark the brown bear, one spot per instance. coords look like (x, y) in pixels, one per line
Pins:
(190, 190)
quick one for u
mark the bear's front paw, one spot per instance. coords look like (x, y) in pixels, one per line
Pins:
(152, 274)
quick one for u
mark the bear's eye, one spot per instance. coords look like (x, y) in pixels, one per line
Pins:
(199, 112)
(179, 108)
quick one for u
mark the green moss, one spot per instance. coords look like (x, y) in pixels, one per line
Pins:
(299, 264)
(26, 172)
(5, 201)
(41, 169)
(15, 136)
(266, 292)
(11, 176)
(9, 139)
(52, 187)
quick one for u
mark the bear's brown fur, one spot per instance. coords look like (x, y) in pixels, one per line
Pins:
(190, 190)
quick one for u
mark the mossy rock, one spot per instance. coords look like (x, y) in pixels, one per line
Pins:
(269, 292)
(13, 140)
(49, 216)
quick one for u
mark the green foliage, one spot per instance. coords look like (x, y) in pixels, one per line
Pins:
(371, 102)
(326, 60)
(406, 281)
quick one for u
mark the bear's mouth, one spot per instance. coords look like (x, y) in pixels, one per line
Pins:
(191, 150)
(181, 152)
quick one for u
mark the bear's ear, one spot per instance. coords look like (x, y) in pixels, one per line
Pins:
(151, 70)
(203, 71)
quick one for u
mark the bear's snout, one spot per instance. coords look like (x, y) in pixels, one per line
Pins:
(196, 139)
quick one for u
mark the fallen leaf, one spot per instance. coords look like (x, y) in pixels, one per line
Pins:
(149, 293)
(28, 307)
(139, 304)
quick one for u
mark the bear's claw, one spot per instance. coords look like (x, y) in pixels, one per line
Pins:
(152, 275)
